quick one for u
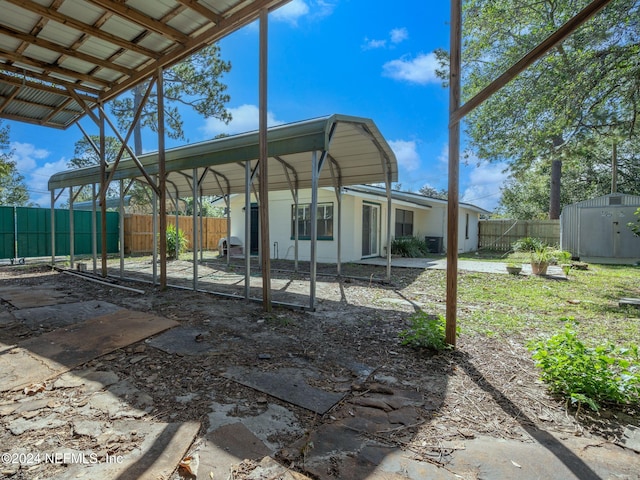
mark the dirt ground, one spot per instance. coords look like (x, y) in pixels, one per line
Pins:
(486, 387)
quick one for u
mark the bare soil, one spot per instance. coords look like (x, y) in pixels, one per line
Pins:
(486, 386)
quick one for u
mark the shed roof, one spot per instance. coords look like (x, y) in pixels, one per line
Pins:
(612, 199)
(355, 147)
(59, 57)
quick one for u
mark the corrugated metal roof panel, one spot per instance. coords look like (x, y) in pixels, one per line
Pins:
(292, 143)
(57, 33)
(82, 35)
(85, 12)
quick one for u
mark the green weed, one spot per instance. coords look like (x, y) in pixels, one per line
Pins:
(426, 331)
(590, 376)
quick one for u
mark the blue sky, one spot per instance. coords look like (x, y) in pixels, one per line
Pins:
(325, 56)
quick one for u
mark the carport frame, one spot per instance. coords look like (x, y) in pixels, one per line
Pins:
(294, 146)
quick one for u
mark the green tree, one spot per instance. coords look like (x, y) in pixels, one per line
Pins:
(194, 82)
(584, 90)
(85, 156)
(635, 226)
(13, 190)
(525, 195)
(429, 191)
(207, 209)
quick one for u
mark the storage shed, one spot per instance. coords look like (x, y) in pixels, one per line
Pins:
(596, 230)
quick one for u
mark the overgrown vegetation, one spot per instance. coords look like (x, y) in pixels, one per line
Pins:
(588, 376)
(173, 240)
(527, 244)
(635, 226)
(411, 247)
(426, 331)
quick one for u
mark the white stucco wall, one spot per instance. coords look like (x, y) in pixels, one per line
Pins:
(427, 222)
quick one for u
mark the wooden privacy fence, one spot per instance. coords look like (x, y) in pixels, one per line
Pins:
(500, 234)
(138, 232)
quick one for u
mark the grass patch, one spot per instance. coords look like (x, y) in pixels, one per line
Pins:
(530, 306)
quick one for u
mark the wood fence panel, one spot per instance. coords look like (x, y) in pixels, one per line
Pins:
(501, 234)
(138, 232)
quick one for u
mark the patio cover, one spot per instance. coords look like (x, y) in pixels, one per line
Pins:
(59, 58)
(354, 147)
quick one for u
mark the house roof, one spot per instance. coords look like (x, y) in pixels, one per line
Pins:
(356, 153)
(59, 58)
(410, 197)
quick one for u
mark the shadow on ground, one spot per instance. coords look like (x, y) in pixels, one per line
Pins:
(227, 387)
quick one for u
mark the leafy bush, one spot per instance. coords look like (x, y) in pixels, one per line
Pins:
(171, 241)
(635, 226)
(411, 247)
(591, 376)
(426, 331)
(528, 244)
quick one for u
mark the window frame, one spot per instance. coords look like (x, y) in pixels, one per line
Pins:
(321, 217)
(403, 223)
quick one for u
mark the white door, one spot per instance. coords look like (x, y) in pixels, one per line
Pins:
(370, 228)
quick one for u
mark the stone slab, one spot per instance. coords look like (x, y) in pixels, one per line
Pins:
(19, 368)
(41, 358)
(182, 341)
(238, 440)
(27, 297)
(228, 446)
(631, 438)
(287, 384)
(163, 447)
(268, 468)
(566, 458)
(268, 426)
(60, 315)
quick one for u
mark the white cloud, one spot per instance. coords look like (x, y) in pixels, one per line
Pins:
(38, 182)
(245, 119)
(420, 70)
(406, 154)
(485, 181)
(370, 44)
(291, 12)
(398, 35)
(26, 156)
(443, 158)
(297, 9)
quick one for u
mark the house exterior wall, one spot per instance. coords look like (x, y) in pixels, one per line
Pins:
(426, 222)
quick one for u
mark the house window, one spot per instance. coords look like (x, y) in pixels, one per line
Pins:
(466, 227)
(324, 221)
(404, 223)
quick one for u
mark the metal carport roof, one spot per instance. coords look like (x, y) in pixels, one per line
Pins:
(59, 58)
(354, 146)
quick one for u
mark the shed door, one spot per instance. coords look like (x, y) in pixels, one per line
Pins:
(604, 232)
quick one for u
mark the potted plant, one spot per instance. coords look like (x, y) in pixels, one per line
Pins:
(514, 268)
(543, 256)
